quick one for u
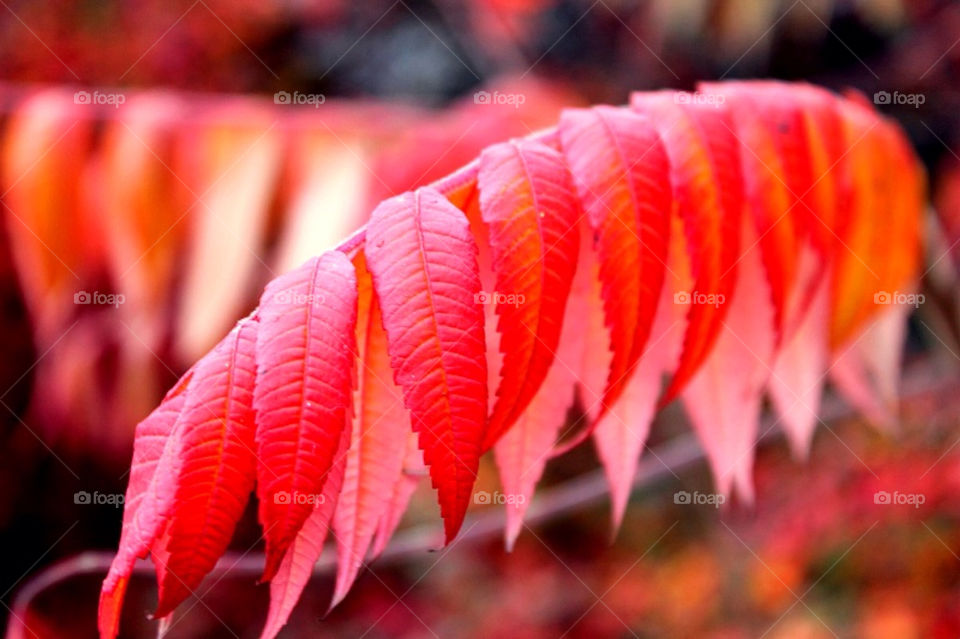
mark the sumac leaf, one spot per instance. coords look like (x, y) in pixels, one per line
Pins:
(424, 265)
(305, 358)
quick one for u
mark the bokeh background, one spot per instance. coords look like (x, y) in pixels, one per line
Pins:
(155, 151)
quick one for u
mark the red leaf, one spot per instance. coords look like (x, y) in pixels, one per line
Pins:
(621, 434)
(906, 182)
(855, 274)
(707, 184)
(523, 451)
(527, 200)
(378, 439)
(785, 120)
(829, 165)
(424, 265)
(297, 565)
(218, 465)
(887, 192)
(305, 357)
(153, 437)
(768, 196)
(622, 174)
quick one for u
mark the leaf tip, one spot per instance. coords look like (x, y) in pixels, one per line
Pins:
(111, 605)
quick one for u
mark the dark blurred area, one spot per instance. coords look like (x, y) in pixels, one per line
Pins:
(812, 559)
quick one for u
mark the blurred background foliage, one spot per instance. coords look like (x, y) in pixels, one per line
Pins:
(241, 188)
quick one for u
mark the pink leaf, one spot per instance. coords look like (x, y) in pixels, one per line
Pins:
(622, 432)
(404, 485)
(708, 186)
(590, 356)
(297, 565)
(622, 175)
(218, 465)
(305, 357)
(796, 384)
(528, 203)
(866, 370)
(522, 453)
(378, 438)
(424, 265)
(153, 437)
(723, 398)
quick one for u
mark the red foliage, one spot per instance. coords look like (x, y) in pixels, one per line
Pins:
(422, 252)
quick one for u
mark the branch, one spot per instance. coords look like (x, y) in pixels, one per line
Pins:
(921, 383)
